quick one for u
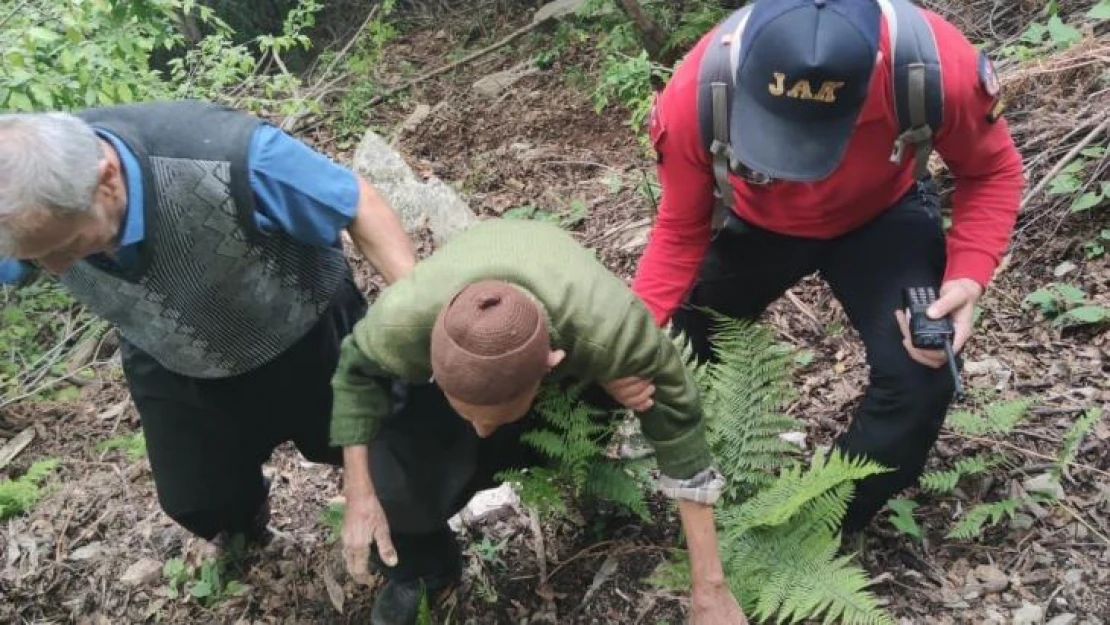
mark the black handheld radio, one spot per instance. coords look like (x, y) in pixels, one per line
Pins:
(929, 333)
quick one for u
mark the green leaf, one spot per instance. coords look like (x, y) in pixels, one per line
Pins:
(125, 94)
(1104, 188)
(1087, 201)
(201, 590)
(1062, 35)
(1084, 315)
(1071, 294)
(1064, 183)
(1041, 298)
(174, 568)
(20, 102)
(1100, 11)
(803, 357)
(42, 95)
(902, 517)
(1097, 151)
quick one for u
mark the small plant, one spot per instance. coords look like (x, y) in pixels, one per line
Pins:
(19, 496)
(575, 214)
(1096, 247)
(332, 518)
(1066, 305)
(133, 446)
(208, 583)
(1053, 34)
(1070, 182)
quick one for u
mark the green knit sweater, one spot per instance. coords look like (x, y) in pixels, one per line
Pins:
(594, 317)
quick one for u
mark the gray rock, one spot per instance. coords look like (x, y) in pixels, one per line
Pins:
(495, 84)
(432, 204)
(991, 578)
(556, 10)
(417, 117)
(1045, 484)
(1028, 614)
(1064, 619)
(142, 573)
(90, 551)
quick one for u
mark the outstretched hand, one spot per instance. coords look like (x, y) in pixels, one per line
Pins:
(633, 393)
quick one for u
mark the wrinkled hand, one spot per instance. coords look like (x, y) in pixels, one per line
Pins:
(364, 523)
(632, 392)
(715, 605)
(956, 298)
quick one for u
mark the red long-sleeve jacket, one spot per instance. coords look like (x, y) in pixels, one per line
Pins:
(980, 154)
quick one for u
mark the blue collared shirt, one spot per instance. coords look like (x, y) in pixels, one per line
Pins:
(297, 190)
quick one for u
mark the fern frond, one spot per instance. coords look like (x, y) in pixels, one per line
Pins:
(946, 481)
(971, 525)
(1074, 437)
(20, 495)
(1003, 417)
(791, 573)
(610, 481)
(745, 388)
(998, 418)
(795, 489)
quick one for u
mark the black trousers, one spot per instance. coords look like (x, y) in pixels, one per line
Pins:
(426, 463)
(207, 439)
(904, 406)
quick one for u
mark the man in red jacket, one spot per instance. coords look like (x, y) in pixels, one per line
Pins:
(815, 188)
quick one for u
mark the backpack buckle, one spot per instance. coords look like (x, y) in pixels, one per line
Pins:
(898, 151)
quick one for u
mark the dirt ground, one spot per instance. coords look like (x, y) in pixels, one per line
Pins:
(541, 143)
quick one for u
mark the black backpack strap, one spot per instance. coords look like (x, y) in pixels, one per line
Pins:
(917, 81)
(715, 85)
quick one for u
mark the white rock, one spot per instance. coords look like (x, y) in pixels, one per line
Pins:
(992, 578)
(1028, 614)
(1064, 619)
(142, 573)
(1064, 269)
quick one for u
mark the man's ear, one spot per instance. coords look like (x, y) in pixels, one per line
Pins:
(108, 174)
(554, 358)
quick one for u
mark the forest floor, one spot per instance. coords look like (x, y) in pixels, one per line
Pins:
(93, 550)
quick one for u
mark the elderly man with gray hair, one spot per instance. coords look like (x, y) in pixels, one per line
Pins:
(211, 240)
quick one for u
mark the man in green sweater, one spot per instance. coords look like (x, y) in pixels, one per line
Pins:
(434, 384)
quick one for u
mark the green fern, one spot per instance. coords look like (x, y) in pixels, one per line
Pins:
(971, 525)
(1074, 437)
(946, 481)
(572, 439)
(20, 495)
(743, 392)
(999, 418)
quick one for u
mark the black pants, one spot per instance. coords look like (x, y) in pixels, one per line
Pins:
(902, 411)
(426, 463)
(207, 439)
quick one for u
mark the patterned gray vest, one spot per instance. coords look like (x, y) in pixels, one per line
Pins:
(212, 296)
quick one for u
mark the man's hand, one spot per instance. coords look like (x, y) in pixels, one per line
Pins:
(715, 606)
(632, 393)
(364, 523)
(364, 520)
(957, 298)
(712, 601)
(379, 235)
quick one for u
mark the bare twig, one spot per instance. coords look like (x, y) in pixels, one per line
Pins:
(15, 446)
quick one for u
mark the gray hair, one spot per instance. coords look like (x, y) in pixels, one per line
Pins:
(47, 161)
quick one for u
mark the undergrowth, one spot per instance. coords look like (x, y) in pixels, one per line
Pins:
(20, 495)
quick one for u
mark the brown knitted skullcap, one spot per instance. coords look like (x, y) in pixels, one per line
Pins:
(490, 344)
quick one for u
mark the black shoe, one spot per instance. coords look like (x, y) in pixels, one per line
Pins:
(398, 603)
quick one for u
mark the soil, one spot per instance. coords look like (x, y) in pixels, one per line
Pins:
(543, 144)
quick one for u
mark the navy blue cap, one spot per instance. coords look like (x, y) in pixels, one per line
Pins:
(803, 75)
